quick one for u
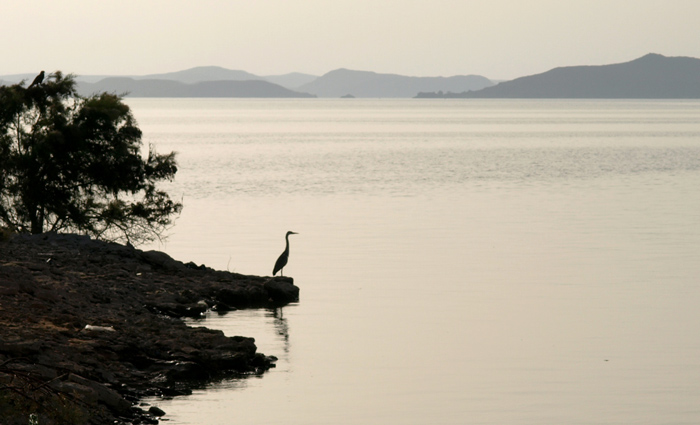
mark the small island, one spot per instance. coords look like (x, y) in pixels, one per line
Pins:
(441, 95)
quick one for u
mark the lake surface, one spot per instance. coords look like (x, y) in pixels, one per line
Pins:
(460, 261)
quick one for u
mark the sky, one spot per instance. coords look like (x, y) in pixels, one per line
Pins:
(499, 39)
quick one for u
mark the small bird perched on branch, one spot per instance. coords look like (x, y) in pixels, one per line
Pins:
(37, 80)
(282, 261)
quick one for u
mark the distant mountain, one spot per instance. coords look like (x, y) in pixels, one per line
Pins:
(16, 78)
(292, 80)
(168, 88)
(202, 73)
(188, 76)
(650, 77)
(343, 82)
(217, 73)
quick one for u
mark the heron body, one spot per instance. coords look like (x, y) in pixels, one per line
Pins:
(282, 261)
(37, 80)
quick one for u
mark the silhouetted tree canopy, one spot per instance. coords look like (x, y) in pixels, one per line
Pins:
(74, 164)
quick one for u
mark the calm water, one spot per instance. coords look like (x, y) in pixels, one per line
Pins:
(460, 262)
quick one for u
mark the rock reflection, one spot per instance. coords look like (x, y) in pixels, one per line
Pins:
(269, 327)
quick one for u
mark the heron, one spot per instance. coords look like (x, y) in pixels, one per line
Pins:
(37, 80)
(282, 261)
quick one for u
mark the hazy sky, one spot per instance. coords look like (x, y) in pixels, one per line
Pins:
(499, 39)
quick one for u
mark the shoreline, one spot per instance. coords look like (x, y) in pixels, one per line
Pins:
(89, 328)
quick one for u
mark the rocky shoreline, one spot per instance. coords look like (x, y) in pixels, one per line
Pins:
(88, 328)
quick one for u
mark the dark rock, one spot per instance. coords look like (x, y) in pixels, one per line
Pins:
(186, 371)
(282, 290)
(221, 307)
(109, 397)
(17, 279)
(156, 411)
(21, 348)
(177, 310)
(102, 321)
(162, 260)
(242, 296)
(192, 265)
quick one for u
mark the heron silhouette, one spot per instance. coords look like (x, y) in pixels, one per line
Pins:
(37, 80)
(282, 261)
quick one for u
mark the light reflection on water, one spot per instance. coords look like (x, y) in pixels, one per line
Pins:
(459, 262)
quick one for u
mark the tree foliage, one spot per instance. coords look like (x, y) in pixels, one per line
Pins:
(75, 164)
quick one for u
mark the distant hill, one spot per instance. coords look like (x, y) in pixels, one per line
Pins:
(189, 76)
(217, 73)
(343, 82)
(16, 78)
(293, 80)
(202, 73)
(650, 77)
(168, 88)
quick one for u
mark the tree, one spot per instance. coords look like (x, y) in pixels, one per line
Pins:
(74, 164)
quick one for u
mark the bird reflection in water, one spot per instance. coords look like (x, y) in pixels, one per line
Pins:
(281, 325)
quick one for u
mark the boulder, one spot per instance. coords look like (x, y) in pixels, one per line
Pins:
(282, 290)
(105, 395)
